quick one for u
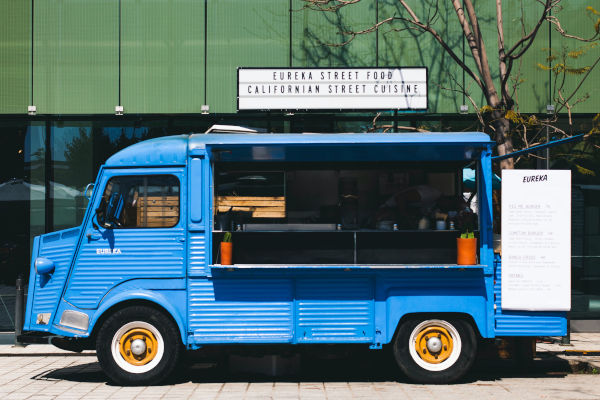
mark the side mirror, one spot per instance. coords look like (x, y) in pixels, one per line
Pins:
(89, 189)
(43, 266)
(113, 210)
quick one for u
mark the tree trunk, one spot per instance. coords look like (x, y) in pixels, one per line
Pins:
(503, 140)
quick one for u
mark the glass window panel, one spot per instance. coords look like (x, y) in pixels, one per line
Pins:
(14, 203)
(72, 170)
(583, 159)
(141, 202)
(35, 171)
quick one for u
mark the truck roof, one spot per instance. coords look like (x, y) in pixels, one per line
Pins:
(432, 146)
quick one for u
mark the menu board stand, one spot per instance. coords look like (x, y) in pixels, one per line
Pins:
(536, 240)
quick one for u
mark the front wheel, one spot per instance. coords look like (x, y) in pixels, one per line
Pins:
(138, 345)
(435, 350)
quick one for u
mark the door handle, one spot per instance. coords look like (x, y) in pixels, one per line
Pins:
(181, 239)
(93, 236)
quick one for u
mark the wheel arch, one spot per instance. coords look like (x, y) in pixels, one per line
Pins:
(438, 315)
(150, 299)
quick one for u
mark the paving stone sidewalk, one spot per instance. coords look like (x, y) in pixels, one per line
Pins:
(583, 353)
(44, 372)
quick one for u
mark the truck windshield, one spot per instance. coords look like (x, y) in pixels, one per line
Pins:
(150, 201)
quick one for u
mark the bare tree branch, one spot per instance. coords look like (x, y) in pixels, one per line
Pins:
(324, 5)
(587, 74)
(500, 119)
(428, 28)
(528, 39)
(501, 50)
(468, 96)
(469, 35)
(558, 27)
(386, 128)
(524, 44)
(488, 81)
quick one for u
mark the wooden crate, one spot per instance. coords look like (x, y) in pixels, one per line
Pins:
(157, 211)
(259, 206)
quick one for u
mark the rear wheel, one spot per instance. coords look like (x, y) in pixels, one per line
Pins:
(138, 345)
(435, 350)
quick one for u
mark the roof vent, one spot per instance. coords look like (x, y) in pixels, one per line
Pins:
(234, 129)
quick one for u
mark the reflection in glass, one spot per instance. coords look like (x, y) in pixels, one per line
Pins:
(14, 203)
(72, 169)
(35, 157)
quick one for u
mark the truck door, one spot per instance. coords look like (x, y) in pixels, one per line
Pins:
(226, 309)
(138, 231)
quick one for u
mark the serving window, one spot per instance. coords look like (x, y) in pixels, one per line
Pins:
(341, 213)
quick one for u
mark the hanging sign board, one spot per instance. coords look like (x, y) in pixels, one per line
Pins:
(289, 89)
(536, 240)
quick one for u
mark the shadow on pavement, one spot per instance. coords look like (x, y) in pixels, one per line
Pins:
(90, 372)
(370, 367)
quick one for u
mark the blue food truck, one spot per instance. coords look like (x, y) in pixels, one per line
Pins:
(337, 239)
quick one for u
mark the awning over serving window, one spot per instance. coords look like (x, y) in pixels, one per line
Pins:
(430, 146)
(291, 147)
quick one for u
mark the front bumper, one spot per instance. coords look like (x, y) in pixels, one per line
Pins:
(34, 337)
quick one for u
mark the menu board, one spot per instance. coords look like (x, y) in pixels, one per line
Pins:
(536, 240)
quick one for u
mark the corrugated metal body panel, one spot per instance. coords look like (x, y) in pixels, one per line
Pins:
(197, 254)
(242, 34)
(58, 247)
(525, 323)
(15, 56)
(327, 305)
(578, 21)
(162, 56)
(422, 282)
(240, 310)
(334, 310)
(142, 253)
(313, 32)
(76, 50)
(431, 291)
(409, 48)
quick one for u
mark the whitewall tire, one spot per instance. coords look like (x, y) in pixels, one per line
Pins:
(138, 345)
(435, 350)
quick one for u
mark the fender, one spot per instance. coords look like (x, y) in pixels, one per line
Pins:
(173, 300)
(474, 306)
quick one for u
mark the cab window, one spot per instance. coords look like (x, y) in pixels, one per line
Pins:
(140, 201)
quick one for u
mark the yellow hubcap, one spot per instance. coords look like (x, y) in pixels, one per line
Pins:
(138, 346)
(440, 344)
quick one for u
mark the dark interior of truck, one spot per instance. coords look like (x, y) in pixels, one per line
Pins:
(359, 213)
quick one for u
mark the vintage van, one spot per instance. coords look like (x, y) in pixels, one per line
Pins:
(334, 241)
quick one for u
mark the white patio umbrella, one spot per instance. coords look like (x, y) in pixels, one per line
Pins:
(19, 190)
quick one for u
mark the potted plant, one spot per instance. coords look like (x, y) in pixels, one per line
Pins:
(466, 249)
(466, 244)
(226, 249)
